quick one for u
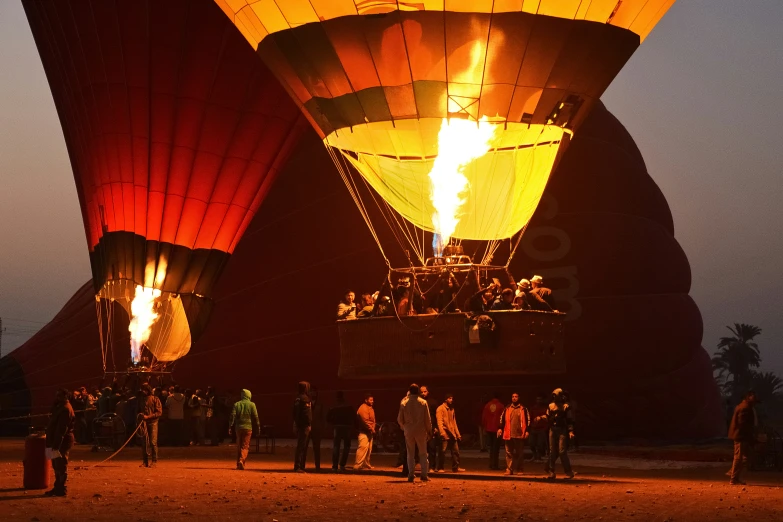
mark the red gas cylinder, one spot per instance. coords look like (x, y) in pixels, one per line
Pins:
(37, 469)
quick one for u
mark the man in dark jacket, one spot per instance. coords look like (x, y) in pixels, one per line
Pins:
(542, 292)
(149, 413)
(505, 301)
(303, 421)
(433, 444)
(561, 429)
(317, 426)
(742, 431)
(341, 416)
(59, 440)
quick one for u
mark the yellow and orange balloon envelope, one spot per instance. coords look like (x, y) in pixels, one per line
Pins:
(379, 80)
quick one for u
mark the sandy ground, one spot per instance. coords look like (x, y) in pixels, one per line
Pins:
(200, 483)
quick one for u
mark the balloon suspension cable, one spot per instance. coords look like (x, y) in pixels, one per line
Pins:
(405, 234)
(352, 190)
(513, 248)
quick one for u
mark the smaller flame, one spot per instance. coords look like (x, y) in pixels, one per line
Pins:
(143, 316)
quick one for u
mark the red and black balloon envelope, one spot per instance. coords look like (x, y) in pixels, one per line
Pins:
(175, 135)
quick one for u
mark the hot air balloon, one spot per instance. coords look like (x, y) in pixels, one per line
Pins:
(453, 113)
(603, 238)
(175, 133)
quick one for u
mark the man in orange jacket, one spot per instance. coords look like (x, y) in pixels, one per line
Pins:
(513, 428)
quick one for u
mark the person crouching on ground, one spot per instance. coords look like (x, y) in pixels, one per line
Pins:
(151, 410)
(59, 439)
(513, 428)
(449, 433)
(244, 419)
(303, 421)
(742, 431)
(414, 419)
(365, 418)
(561, 429)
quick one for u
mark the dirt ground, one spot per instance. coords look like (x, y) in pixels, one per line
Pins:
(199, 483)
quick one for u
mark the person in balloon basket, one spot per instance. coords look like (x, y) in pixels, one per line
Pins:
(303, 421)
(449, 434)
(149, 414)
(561, 429)
(415, 422)
(243, 420)
(365, 419)
(482, 300)
(513, 429)
(526, 299)
(59, 440)
(539, 290)
(346, 308)
(505, 301)
(742, 431)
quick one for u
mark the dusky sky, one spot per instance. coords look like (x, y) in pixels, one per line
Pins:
(701, 97)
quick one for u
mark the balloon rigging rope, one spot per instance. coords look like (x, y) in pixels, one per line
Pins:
(410, 237)
(357, 200)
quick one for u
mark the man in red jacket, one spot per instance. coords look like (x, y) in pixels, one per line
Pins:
(513, 428)
(490, 421)
(742, 431)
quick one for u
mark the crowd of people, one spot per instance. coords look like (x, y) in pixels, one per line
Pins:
(430, 430)
(443, 296)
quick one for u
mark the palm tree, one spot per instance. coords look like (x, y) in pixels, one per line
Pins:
(735, 358)
(767, 385)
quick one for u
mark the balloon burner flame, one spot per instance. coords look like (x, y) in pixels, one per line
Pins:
(459, 143)
(143, 316)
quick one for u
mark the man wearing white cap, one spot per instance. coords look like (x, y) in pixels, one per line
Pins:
(541, 291)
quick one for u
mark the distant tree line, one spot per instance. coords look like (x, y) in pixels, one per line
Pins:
(736, 366)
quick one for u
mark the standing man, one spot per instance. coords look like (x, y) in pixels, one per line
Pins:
(151, 410)
(245, 415)
(414, 419)
(513, 428)
(561, 429)
(341, 417)
(59, 440)
(317, 427)
(538, 428)
(303, 421)
(449, 434)
(539, 290)
(176, 406)
(742, 431)
(490, 422)
(365, 417)
(433, 442)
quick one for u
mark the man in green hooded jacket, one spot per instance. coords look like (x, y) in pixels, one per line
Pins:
(244, 418)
